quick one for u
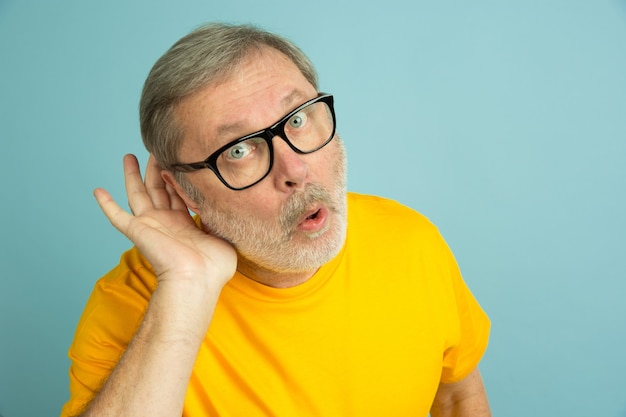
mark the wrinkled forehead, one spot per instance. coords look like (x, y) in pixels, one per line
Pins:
(256, 93)
(262, 70)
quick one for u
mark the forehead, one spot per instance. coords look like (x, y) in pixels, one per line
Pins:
(261, 89)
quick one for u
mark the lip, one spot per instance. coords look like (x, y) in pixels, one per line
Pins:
(314, 220)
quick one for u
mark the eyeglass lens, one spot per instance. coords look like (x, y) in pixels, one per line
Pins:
(248, 161)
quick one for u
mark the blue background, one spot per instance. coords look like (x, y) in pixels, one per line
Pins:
(504, 122)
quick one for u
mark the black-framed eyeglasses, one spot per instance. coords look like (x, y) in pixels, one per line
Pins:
(244, 162)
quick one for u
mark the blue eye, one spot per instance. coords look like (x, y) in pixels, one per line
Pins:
(239, 151)
(243, 149)
(298, 120)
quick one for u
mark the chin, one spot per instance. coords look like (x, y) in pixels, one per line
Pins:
(305, 252)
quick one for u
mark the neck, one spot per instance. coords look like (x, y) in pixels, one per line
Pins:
(275, 279)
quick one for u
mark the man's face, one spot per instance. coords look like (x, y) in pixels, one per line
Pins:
(294, 220)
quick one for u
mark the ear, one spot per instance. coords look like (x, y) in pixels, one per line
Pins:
(168, 177)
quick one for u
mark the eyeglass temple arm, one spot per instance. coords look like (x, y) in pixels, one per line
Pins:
(189, 167)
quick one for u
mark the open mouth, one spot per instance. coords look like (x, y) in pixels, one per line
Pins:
(313, 216)
(314, 221)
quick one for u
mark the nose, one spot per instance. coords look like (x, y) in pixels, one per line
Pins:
(289, 170)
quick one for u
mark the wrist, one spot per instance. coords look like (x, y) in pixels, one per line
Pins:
(182, 309)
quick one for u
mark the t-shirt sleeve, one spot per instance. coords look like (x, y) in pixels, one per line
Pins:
(109, 321)
(471, 327)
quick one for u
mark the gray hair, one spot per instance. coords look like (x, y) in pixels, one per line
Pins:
(206, 55)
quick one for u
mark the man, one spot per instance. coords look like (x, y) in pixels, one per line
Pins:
(285, 295)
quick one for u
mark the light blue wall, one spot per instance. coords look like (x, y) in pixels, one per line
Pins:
(504, 122)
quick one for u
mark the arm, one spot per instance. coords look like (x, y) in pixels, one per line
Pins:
(465, 398)
(191, 267)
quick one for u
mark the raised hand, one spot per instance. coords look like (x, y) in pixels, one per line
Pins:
(163, 230)
(192, 267)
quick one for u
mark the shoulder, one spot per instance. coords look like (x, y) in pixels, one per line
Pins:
(121, 295)
(133, 272)
(371, 214)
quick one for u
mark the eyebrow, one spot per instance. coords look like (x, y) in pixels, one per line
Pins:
(289, 101)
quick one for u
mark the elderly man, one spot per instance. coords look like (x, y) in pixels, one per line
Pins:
(284, 295)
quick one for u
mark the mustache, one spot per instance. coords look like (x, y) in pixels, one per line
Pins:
(299, 203)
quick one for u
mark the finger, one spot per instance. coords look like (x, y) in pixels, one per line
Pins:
(119, 218)
(155, 186)
(138, 199)
(125, 222)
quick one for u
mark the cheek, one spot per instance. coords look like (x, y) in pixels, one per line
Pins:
(257, 203)
(332, 163)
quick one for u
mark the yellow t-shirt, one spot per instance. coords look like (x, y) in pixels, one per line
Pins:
(372, 333)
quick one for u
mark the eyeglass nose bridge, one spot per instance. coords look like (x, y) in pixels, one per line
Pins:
(271, 132)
